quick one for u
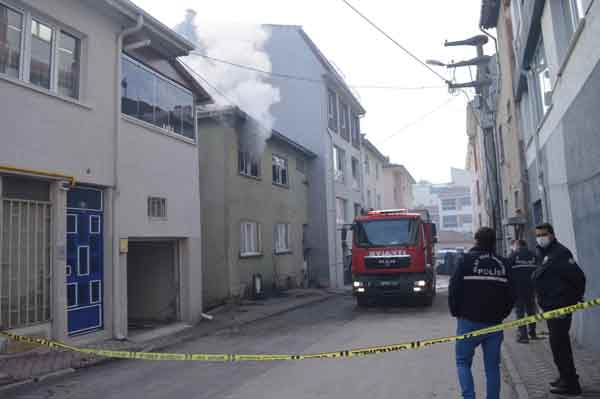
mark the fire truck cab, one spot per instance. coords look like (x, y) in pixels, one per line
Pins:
(393, 256)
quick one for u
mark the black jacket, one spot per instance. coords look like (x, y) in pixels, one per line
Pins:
(481, 288)
(523, 264)
(558, 280)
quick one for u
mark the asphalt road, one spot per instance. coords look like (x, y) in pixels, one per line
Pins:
(332, 325)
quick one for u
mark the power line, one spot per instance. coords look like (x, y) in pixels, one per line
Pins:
(374, 25)
(419, 119)
(307, 79)
(216, 89)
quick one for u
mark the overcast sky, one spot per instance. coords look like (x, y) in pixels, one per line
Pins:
(430, 145)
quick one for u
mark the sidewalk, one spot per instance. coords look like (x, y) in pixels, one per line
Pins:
(42, 362)
(531, 367)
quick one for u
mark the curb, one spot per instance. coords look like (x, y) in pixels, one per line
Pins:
(514, 376)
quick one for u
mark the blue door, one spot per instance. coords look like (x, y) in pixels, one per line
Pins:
(84, 260)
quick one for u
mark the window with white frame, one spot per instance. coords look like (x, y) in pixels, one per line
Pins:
(357, 210)
(282, 238)
(157, 207)
(339, 162)
(280, 171)
(344, 122)
(39, 52)
(369, 199)
(542, 80)
(250, 239)
(340, 210)
(376, 171)
(332, 110)
(301, 165)
(450, 221)
(449, 204)
(355, 131)
(367, 165)
(355, 173)
(379, 204)
(248, 165)
(155, 99)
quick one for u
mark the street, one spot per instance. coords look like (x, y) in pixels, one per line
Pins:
(330, 325)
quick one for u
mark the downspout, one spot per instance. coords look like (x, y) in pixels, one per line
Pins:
(118, 313)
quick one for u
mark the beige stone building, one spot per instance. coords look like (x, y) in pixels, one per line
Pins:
(398, 183)
(256, 210)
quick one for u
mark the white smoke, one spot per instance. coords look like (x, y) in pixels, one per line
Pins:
(247, 89)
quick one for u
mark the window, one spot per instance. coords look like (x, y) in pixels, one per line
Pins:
(332, 108)
(282, 238)
(538, 212)
(339, 161)
(480, 220)
(340, 207)
(379, 205)
(355, 131)
(355, 174)
(367, 165)
(248, 165)
(157, 207)
(68, 65)
(250, 239)
(50, 57)
(501, 143)
(478, 194)
(301, 165)
(41, 54)
(517, 199)
(376, 171)
(542, 82)
(467, 219)
(464, 201)
(450, 221)
(344, 122)
(369, 199)
(357, 210)
(449, 204)
(390, 232)
(11, 29)
(153, 98)
(280, 171)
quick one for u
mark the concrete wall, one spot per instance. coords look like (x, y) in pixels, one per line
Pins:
(232, 198)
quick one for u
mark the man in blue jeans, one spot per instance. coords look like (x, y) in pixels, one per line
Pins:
(480, 295)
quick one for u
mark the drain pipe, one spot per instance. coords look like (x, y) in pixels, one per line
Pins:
(119, 321)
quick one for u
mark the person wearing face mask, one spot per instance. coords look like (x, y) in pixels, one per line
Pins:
(558, 282)
(522, 261)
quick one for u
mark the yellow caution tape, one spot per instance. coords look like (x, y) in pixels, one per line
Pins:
(374, 350)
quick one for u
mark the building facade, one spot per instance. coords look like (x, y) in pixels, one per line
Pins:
(102, 177)
(255, 209)
(398, 183)
(557, 60)
(322, 115)
(374, 163)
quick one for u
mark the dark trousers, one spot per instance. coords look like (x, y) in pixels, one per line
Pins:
(560, 343)
(525, 305)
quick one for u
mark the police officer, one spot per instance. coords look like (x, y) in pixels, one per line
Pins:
(559, 282)
(480, 296)
(522, 262)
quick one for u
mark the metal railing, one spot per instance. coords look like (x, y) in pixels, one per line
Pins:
(25, 262)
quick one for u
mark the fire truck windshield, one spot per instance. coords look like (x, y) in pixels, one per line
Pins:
(387, 232)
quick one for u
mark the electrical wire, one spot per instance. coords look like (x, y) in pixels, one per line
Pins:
(421, 118)
(374, 25)
(306, 79)
(216, 89)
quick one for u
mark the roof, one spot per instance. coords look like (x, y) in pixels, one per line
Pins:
(490, 10)
(217, 112)
(163, 38)
(402, 168)
(332, 75)
(371, 147)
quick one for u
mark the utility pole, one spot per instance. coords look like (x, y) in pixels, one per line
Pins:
(486, 121)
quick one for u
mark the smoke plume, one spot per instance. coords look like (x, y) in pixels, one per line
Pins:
(247, 89)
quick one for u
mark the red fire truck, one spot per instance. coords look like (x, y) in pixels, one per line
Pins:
(393, 256)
